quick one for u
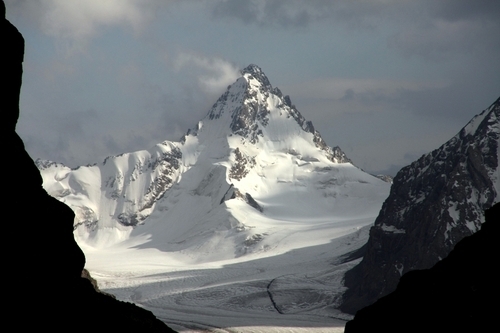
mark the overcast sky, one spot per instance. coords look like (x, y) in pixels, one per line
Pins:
(386, 80)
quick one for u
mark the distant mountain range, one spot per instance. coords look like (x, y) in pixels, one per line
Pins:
(251, 172)
(433, 204)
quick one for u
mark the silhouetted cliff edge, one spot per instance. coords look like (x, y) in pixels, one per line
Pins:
(42, 264)
(458, 294)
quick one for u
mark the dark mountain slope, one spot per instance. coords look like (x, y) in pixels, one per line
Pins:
(434, 203)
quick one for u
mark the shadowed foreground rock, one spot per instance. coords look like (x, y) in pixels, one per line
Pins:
(458, 294)
(41, 262)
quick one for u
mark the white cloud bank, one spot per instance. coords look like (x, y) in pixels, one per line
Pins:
(75, 19)
(76, 22)
(214, 74)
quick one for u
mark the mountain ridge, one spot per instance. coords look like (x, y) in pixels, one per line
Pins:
(253, 153)
(434, 202)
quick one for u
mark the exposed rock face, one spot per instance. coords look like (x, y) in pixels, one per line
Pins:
(458, 294)
(153, 172)
(45, 288)
(434, 203)
(239, 169)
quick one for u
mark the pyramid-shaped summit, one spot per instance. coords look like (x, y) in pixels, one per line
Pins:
(252, 171)
(258, 111)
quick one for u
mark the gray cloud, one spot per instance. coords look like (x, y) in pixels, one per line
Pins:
(431, 29)
(74, 23)
(275, 13)
(454, 103)
(455, 10)
(441, 40)
(69, 138)
(246, 11)
(301, 13)
(384, 79)
(440, 30)
(258, 11)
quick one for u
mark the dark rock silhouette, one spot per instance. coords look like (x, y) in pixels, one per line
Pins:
(44, 264)
(12, 70)
(458, 294)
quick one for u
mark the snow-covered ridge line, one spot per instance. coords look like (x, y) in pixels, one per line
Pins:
(251, 167)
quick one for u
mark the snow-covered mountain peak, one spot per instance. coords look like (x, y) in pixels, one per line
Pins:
(252, 165)
(251, 108)
(254, 72)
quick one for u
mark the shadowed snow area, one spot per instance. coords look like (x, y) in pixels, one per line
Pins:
(276, 291)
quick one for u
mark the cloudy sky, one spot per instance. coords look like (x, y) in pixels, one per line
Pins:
(386, 80)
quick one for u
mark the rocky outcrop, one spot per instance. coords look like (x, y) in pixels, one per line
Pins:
(434, 203)
(458, 294)
(41, 260)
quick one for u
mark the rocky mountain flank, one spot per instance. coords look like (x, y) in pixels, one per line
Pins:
(433, 204)
(458, 294)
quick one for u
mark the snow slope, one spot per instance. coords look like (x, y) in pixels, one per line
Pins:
(241, 224)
